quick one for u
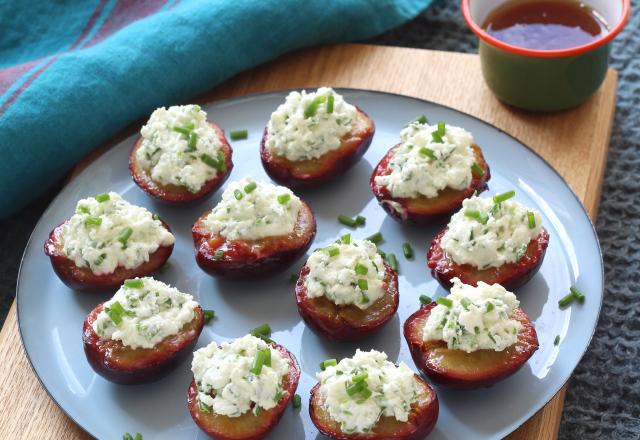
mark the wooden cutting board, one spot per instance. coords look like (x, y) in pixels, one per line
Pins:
(575, 142)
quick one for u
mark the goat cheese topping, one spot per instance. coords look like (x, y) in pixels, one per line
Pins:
(347, 273)
(229, 380)
(105, 234)
(143, 312)
(487, 234)
(359, 390)
(475, 318)
(180, 148)
(309, 125)
(422, 166)
(251, 210)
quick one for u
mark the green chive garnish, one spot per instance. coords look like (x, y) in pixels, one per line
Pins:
(93, 221)
(565, 301)
(124, 236)
(155, 216)
(407, 250)
(330, 104)
(182, 130)
(393, 262)
(375, 238)
(332, 251)
(284, 198)
(556, 341)
(102, 197)
(238, 135)
(382, 253)
(193, 141)
(263, 332)
(442, 128)
(134, 284)
(436, 137)
(312, 108)
(428, 152)
(296, 401)
(218, 255)
(503, 197)
(346, 238)
(238, 194)
(360, 220)
(444, 301)
(219, 165)
(293, 278)
(424, 299)
(249, 187)
(359, 377)
(358, 388)
(260, 360)
(361, 269)
(422, 119)
(347, 221)
(465, 302)
(477, 170)
(115, 312)
(222, 161)
(363, 285)
(138, 436)
(328, 363)
(82, 210)
(490, 307)
(477, 215)
(577, 294)
(208, 316)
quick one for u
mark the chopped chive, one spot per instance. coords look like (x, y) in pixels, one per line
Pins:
(476, 215)
(284, 198)
(444, 301)
(193, 141)
(155, 216)
(267, 357)
(361, 269)
(312, 108)
(218, 255)
(577, 294)
(477, 169)
(366, 393)
(127, 436)
(360, 220)
(93, 221)
(532, 219)
(364, 298)
(134, 284)
(183, 130)
(565, 301)
(208, 316)
(503, 197)
(219, 165)
(424, 299)
(375, 238)
(263, 332)
(328, 363)
(357, 387)
(332, 251)
(346, 238)
(407, 250)
(124, 236)
(293, 278)
(465, 302)
(442, 129)
(437, 138)
(382, 253)
(359, 377)
(82, 210)
(115, 312)
(296, 402)
(490, 307)
(138, 436)
(363, 284)
(422, 119)
(238, 194)
(330, 104)
(258, 362)
(347, 221)
(556, 341)
(428, 152)
(102, 197)
(249, 187)
(222, 161)
(238, 135)
(393, 262)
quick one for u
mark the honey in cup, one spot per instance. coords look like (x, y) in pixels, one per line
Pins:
(545, 24)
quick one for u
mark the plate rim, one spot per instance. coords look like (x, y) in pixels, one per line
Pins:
(531, 413)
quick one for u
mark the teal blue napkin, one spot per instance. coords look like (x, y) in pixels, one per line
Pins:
(74, 73)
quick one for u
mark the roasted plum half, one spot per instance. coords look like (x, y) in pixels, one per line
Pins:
(509, 275)
(422, 209)
(422, 419)
(127, 366)
(175, 193)
(82, 278)
(248, 426)
(315, 172)
(220, 256)
(347, 322)
(462, 370)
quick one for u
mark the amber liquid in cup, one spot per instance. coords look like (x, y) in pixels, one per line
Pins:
(546, 24)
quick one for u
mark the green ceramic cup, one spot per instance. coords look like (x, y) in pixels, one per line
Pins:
(545, 80)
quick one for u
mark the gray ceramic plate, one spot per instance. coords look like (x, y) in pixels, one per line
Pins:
(51, 315)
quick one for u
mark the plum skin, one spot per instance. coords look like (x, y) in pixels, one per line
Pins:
(83, 279)
(424, 210)
(336, 327)
(257, 258)
(178, 194)
(268, 418)
(422, 419)
(108, 357)
(317, 172)
(503, 364)
(509, 275)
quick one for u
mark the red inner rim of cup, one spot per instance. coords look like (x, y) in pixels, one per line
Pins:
(481, 33)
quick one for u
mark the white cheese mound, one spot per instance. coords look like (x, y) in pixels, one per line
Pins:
(147, 311)
(347, 273)
(296, 136)
(502, 239)
(94, 237)
(167, 154)
(251, 214)
(422, 167)
(225, 380)
(388, 391)
(478, 319)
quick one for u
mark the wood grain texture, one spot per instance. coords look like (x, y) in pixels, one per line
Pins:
(575, 142)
